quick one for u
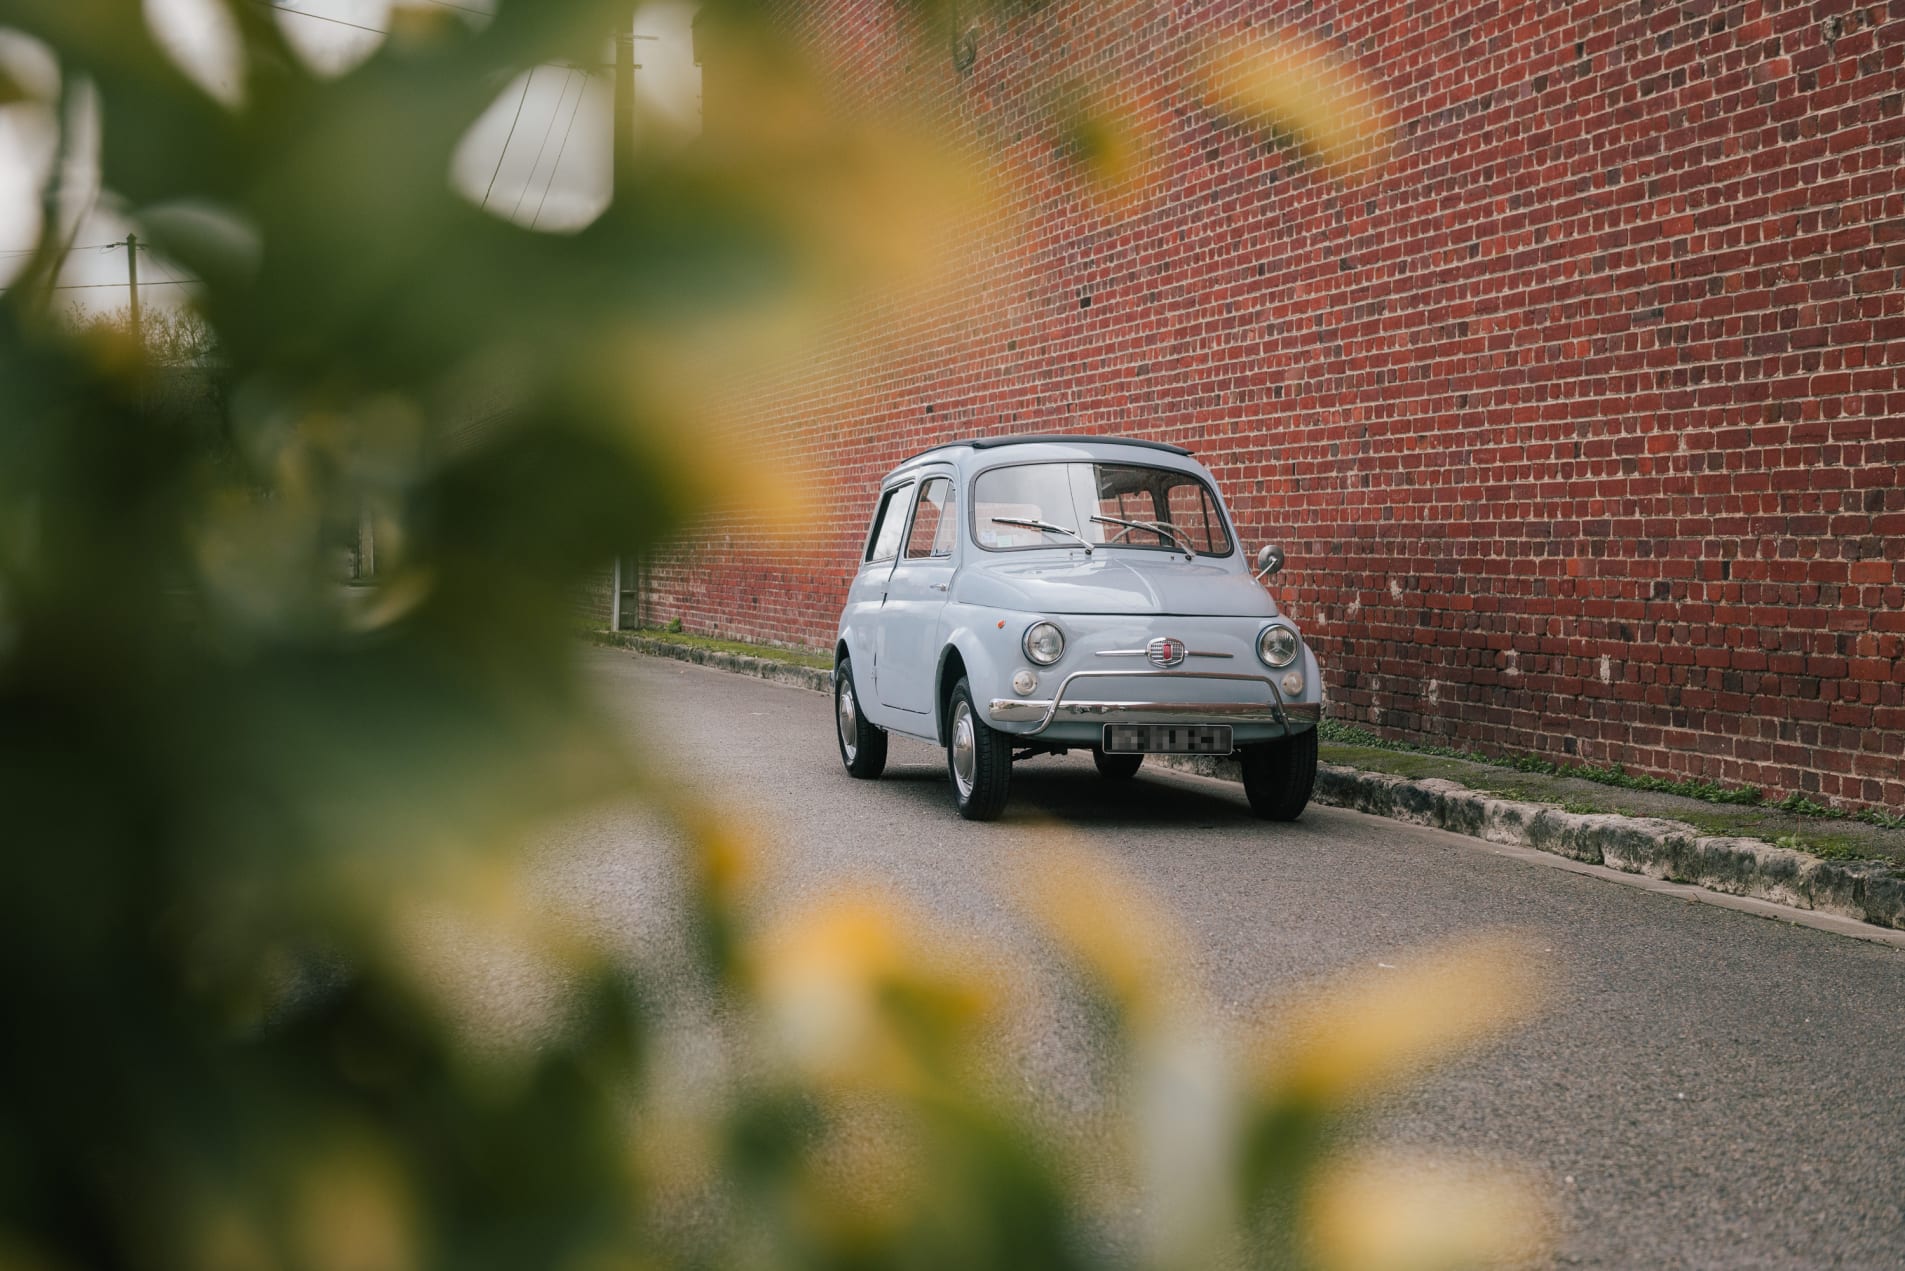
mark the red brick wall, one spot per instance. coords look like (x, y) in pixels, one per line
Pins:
(1580, 416)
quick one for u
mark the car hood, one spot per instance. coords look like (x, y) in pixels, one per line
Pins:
(1113, 582)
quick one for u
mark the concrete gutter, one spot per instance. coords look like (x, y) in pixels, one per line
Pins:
(1670, 851)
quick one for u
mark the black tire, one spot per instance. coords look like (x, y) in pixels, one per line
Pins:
(970, 738)
(862, 745)
(1116, 767)
(1279, 775)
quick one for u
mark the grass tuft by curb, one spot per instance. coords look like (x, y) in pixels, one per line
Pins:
(1608, 775)
(672, 634)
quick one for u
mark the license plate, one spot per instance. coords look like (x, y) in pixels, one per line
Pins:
(1167, 739)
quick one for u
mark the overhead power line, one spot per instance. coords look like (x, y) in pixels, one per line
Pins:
(320, 17)
(527, 81)
(360, 26)
(560, 151)
(143, 282)
(76, 247)
(120, 286)
(549, 128)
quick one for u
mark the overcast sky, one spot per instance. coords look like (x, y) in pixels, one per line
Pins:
(541, 180)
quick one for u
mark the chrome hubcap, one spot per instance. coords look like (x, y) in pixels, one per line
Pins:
(964, 749)
(849, 721)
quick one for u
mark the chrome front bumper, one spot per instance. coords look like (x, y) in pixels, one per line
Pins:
(1057, 709)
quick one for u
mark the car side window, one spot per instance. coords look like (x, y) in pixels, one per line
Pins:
(889, 524)
(933, 521)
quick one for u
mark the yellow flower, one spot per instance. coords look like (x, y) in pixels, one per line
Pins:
(1376, 1032)
(1109, 927)
(858, 998)
(1298, 90)
(1416, 1214)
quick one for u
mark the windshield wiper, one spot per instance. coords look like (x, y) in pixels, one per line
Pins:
(1158, 528)
(1047, 526)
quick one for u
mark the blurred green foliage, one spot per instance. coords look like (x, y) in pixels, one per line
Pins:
(235, 793)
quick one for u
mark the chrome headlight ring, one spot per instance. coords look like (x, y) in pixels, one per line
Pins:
(1043, 643)
(1278, 646)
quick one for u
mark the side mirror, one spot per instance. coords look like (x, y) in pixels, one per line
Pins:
(1269, 560)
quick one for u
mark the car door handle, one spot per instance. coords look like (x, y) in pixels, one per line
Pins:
(938, 586)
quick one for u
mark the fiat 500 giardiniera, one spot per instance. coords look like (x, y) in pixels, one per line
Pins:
(1019, 596)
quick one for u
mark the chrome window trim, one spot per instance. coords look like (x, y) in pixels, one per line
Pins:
(923, 479)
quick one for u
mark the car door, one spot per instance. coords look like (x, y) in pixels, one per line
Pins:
(866, 595)
(910, 621)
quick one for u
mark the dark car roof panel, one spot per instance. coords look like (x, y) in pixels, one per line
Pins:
(1033, 439)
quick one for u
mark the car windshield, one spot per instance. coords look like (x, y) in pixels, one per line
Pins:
(1105, 504)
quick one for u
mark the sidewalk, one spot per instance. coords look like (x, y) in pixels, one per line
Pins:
(1837, 866)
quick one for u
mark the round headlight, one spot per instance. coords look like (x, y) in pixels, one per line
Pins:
(1277, 646)
(1044, 643)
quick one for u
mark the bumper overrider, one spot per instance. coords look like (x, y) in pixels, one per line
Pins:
(1064, 707)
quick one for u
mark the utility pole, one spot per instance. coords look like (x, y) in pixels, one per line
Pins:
(623, 168)
(621, 174)
(624, 103)
(627, 576)
(132, 286)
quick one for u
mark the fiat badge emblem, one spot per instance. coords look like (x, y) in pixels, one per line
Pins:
(1164, 651)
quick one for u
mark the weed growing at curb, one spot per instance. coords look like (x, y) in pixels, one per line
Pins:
(672, 634)
(1800, 805)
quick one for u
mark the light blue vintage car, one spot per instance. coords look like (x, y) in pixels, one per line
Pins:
(1020, 596)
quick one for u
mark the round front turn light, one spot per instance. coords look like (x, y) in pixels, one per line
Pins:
(1293, 683)
(1044, 643)
(1277, 646)
(1024, 682)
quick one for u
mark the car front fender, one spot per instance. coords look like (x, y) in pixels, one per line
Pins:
(990, 654)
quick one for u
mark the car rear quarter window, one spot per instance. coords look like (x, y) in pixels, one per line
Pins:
(933, 521)
(889, 524)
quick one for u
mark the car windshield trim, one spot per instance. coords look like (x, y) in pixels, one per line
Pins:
(1207, 489)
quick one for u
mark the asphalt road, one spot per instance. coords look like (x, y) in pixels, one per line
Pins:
(1706, 1088)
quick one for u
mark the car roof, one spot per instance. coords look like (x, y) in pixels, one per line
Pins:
(949, 450)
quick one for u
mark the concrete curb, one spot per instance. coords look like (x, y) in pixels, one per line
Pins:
(740, 663)
(1864, 891)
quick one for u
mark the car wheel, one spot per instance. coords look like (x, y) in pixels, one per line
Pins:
(1279, 775)
(862, 746)
(1116, 767)
(978, 759)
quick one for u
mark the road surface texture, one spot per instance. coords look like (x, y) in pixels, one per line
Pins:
(1706, 1088)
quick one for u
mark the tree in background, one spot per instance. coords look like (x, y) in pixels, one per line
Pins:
(243, 810)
